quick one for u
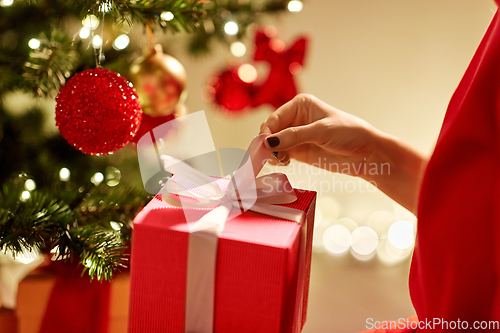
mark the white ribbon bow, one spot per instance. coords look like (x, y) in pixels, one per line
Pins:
(193, 189)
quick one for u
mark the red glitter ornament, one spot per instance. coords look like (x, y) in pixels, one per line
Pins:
(98, 111)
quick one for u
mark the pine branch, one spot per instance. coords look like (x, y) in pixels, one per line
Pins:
(100, 252)
(119, 205)
(187, 14)
(46, 223)
(33, 224)
(51, 64)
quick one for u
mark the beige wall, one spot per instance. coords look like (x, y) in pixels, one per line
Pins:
(394, 63)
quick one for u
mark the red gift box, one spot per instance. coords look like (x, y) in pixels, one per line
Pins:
(262, 270)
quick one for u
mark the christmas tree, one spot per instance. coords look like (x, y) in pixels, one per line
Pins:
(54, 198)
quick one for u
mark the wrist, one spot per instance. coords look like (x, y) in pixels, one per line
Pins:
(396, 168)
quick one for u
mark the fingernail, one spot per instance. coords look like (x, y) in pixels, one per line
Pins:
(273, 141)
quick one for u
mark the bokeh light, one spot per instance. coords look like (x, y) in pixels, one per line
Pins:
(238, 49)
(113, 176)
(295, 6)
(91, 22)
(29, 185)
(167, 16)
(96, 41)
(364, 240)
(401, 234)
(64, 174)
(25, 195)
(84, 33)
(121, 42)
(295, 68)
(34, 43)
(247, 73)
(97, 178)
(6, 3)
(231, 28)
(337, 239)
(115, 225)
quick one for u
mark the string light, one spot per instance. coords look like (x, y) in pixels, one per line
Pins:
(247, 73)
(231, 28)
(64, 174)
(115, 225)
(97, 41)
(295, 6)
(167, 16)
(91, 22)
(121, 42)
(84, 33)
(97, 178)
(29, 185)
(34, 43)
(25, 195)
(6, 3)
(238, 49)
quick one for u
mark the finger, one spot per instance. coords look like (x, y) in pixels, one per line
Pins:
(293, 136)
(264, 129)
(281, 118)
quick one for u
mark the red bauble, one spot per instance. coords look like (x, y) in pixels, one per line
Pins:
(98, 111)
(235, 92)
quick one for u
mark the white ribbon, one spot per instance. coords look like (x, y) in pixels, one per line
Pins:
(190, 188)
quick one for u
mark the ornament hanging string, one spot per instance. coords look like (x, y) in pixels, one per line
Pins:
(101, 56)
(98, 54)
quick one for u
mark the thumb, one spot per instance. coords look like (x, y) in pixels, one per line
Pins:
(292, 136)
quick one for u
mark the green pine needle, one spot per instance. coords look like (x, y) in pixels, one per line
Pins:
(49, 66)
(46, 223)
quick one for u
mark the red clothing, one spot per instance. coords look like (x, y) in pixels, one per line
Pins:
(456, 263)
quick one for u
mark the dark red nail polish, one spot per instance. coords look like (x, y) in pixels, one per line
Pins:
(273, 141)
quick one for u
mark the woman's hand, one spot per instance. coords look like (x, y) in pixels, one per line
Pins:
(314, 132)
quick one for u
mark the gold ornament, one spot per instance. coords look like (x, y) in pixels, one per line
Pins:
(160, 81)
